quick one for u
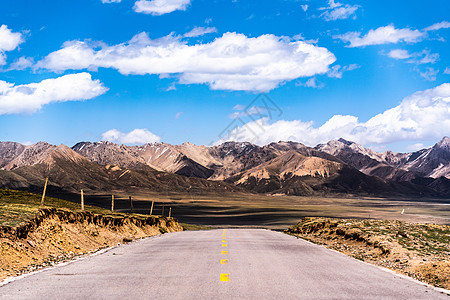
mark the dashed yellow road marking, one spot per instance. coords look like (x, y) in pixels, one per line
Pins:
(224, 276)
(224, 252)
(223, 241)
(224, 261)
(224, 245)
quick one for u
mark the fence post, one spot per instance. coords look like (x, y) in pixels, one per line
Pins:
(43, 193)
(82, 200)
(170, 211)
(112, 202)
(151, 209)
(131, 204)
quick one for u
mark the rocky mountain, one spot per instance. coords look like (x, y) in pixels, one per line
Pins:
(367, 161)
(295, 174)
(283, 167)
(159, 156)
(69, 172)
(14, 155)
(433, 162)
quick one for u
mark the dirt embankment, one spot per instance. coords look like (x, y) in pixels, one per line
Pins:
(421, 251)
(56, 235)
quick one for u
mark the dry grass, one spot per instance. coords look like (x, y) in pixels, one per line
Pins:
(421, 251)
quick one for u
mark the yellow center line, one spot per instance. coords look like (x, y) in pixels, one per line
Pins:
(224, 261)
(224, 276)
(224, 252)
(224, 245)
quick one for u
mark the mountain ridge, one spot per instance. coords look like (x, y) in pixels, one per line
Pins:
(246, 165)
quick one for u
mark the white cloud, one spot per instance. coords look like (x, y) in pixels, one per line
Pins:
(304, 7)
(313, 83)
(22, 63)
(447, 70)
(8, 41)
(437, 26)
(382, 35)
(199, 31)
(136, 136)
(111, 1)
(423, 57)
(389, 35)
(414, 119)
(415, 147)
(160, 7)
(243, 111)
(230, 62)
(28, 98)
(399, 54)
(338, 11)
(429, 74)
(337, 71)
(178, 114)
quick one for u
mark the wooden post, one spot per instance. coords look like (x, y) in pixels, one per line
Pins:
(162, 210)
(170, 211)
(112, 202)
(151, 209)
(82, 200)
(131, 204)
(43, 193)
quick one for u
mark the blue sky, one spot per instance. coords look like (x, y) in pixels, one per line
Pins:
(375, 72)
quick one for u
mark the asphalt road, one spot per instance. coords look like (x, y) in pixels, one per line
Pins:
(218, 264)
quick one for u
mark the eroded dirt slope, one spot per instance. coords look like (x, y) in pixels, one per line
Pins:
(421, 251)
(56, 235)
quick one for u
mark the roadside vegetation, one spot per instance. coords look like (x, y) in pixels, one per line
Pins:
(34, 236)
(421, 251)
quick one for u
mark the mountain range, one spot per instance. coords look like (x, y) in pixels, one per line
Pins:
(288, 168)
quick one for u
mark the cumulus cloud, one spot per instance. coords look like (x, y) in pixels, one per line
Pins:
(199, 31)
(136, 136)
(8, 41)
(111, 1)
(160, 7)
(22, 63)
(447, 70)
(337, 71)
(230, 62)
(389, 35)
(28, 98)
(338, 11)
(304, 7)
(415, 118)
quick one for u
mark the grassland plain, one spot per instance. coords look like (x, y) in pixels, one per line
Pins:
(32, 236)
(421, 251)
(278, 212)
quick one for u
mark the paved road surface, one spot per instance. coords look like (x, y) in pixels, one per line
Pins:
(218, 264)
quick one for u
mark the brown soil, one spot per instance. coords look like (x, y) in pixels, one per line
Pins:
(56, 235)
(421, 251)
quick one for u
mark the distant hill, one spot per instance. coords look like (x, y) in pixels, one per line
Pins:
(290, 168)
(70, 172)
